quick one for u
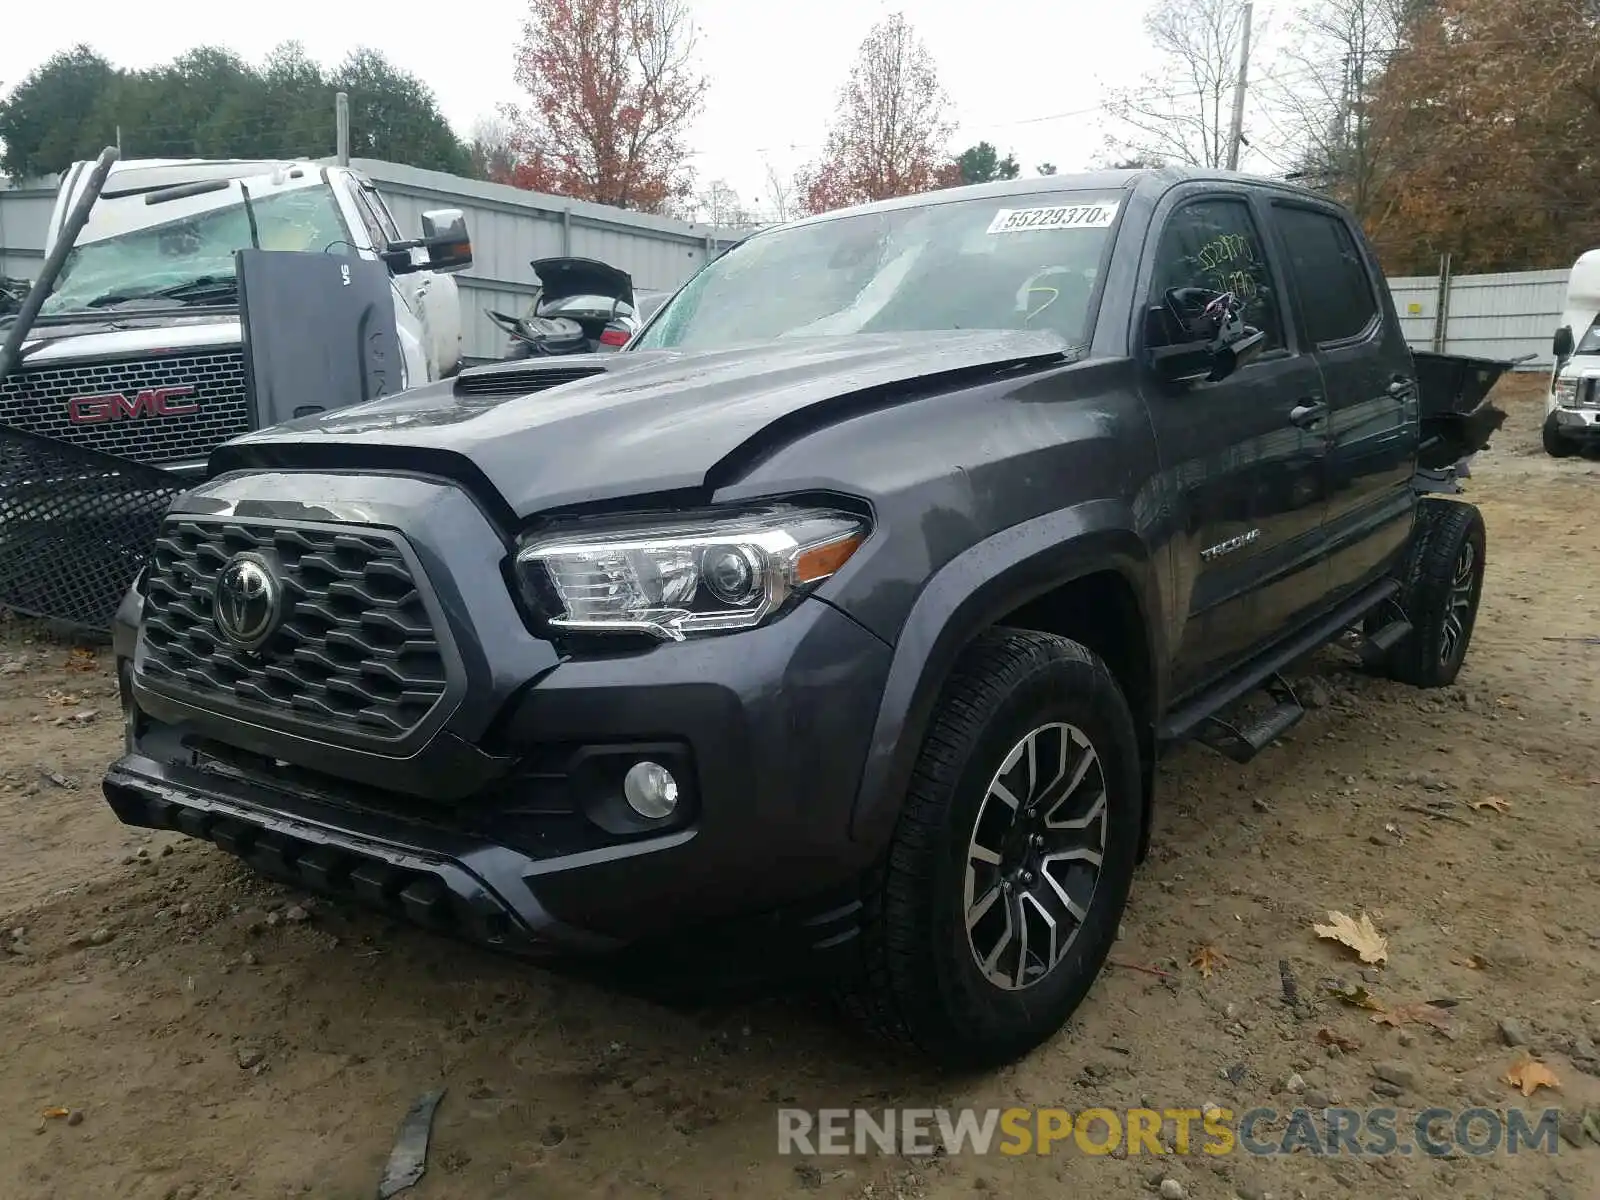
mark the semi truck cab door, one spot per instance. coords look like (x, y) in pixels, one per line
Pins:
(1244, 458)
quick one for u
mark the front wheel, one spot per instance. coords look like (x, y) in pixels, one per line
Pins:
(1555, 445)
(1439, 593)
(1012, 860)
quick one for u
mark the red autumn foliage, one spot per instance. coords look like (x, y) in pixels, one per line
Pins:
(889, 137)
(1484, 128)
(612, 88)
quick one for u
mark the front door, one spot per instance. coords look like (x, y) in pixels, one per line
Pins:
(1242, 459)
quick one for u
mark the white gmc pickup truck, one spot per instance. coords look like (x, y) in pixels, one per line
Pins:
(138, 350)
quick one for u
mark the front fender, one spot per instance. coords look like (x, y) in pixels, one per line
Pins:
(969, 594)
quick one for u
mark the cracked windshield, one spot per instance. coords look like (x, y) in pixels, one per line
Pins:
(1026, 262)
(191, 259)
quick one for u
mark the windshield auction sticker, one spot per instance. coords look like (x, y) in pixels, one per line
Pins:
(1068, 216)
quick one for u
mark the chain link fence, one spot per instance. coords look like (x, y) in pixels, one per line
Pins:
(75, 527)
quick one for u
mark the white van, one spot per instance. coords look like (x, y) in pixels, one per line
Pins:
(1572, 409)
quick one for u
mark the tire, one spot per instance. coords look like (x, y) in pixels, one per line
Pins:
(923, 982)
(1440, 591)
(1555, 445)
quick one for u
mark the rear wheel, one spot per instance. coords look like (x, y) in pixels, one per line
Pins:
(1011, 863)
(1440, 592)
(1555, 445)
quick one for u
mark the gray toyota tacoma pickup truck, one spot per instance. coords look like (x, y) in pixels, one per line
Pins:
(843, 614)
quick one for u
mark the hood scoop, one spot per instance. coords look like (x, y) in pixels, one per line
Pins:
(519, 380)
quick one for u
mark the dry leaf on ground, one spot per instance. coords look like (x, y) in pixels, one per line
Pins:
(1332, 1037)
(1357, 997)
(1498, 803)
(81, 658)
(1360, 935)
(1476, 962)
(1208, 959)
(1417, 1014)
(53, 1113)
(1529, 1075)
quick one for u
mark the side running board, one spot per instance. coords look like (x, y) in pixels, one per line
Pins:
(1243, 742)
(1199, 716)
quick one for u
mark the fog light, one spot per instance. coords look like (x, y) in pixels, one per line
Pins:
(650, 789)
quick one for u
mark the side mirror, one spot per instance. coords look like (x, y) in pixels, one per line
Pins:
(1200, 336)
(1563, 345)
(444, 243)
(445, 238)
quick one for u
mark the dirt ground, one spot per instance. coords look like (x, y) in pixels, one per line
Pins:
(221, 1036)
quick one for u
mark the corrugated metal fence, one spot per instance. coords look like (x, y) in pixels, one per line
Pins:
(1487, 316)
(24, 217)
(1492, 316)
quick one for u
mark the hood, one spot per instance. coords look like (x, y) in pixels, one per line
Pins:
(645, 422)
(560, 278)
(122, 334)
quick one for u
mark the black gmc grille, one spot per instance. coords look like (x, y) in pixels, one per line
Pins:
(356, 652)
(40, 400)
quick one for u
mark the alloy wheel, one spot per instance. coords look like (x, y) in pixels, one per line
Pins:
(1034, 857)
(1459, 604)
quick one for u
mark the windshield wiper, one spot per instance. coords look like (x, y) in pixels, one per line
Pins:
(204, 288)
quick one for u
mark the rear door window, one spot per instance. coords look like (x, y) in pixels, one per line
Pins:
(1330, 275)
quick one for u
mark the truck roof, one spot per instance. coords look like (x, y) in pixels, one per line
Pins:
(1159, 179)
(147, 174)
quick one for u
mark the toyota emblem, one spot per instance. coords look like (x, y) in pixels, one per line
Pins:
(248, 597)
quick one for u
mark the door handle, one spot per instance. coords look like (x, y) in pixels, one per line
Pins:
(1308, 412)
(1400, 387)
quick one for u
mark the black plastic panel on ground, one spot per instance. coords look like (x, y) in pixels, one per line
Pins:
(75, 527)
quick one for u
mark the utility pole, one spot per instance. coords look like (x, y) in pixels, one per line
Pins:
(341, 128)
(1236, 135)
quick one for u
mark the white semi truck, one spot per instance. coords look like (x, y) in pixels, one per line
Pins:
(138, 349)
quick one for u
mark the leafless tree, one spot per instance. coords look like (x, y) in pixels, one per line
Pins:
(1321, 88)
(716, 204)
(494, 156)
(780, 194)
(1182, 111)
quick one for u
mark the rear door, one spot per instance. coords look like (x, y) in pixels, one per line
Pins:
(1347, 318)
(1241, 464)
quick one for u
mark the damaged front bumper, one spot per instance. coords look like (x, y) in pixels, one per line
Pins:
(436, 878)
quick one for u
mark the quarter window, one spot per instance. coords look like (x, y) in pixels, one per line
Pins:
(1214, 244)
(1333, 282)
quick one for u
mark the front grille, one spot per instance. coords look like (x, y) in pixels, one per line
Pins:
(517, 382)
(121, 405)
(356, 652)
(1589, 393)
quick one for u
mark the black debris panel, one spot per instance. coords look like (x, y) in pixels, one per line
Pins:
(75, 527)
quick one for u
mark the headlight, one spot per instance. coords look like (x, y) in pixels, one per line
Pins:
(689, 574)
(1566, 393)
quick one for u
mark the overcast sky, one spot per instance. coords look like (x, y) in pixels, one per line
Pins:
(1028, 75)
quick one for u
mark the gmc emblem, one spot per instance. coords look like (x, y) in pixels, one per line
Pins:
(115, 406)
